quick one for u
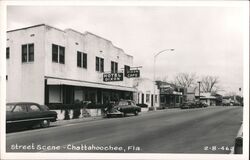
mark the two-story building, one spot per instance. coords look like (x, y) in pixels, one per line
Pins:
(48, 65)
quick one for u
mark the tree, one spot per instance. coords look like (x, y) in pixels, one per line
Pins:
(185, 79)
(210, 84)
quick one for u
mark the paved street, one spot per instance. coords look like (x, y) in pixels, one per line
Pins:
(165, 131)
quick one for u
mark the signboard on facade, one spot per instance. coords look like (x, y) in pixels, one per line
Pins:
(133, 73)
(110, 77)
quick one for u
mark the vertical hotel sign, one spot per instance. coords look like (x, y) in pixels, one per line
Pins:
(110, 77)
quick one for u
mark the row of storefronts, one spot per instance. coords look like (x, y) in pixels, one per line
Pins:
(52, 66)
(47, 65)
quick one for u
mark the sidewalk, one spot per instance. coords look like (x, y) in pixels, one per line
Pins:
(85, 119)
(88, 119)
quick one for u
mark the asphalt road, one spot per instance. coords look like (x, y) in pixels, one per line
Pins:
(206, 130)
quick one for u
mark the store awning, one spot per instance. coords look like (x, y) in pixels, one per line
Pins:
(60, 81)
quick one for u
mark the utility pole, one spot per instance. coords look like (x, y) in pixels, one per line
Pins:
(199, 90)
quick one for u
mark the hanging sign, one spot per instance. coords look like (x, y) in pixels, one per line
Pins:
(110, 77)
(133, 73)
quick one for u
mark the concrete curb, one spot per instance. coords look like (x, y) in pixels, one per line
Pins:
(79, 120)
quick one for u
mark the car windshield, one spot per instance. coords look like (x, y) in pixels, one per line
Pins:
(9, 107)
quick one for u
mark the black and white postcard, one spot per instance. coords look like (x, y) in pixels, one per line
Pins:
(125, 80)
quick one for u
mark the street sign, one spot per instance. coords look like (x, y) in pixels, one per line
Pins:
(133, 73)
(110, 77)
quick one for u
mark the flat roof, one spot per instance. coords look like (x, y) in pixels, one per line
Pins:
(38, 25)
(85, 33)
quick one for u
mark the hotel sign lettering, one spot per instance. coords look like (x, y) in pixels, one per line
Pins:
(133, 73)
(110, 77)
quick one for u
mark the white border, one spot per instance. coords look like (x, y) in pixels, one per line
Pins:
(243, 4)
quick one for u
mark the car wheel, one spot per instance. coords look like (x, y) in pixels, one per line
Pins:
(45, 123)
(136, 113)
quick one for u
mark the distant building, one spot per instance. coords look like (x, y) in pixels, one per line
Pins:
(207, 98)
(48, 65)
(190, 94)
(145, 92)
(171, 96)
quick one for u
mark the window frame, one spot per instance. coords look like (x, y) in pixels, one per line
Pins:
(7, 52)
(61, 54)
(79, 61)
(99, 64)
(58, 54)
(27, 54)
(54, 52)
(82, 59)
(114, 67)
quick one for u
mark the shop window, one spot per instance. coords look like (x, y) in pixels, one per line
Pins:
(7, 52)
(162, 99)
(142, 98)
(58, 54)
(147, 98)
(177, 99)
(99, 64)
(28, 52)
(114, 67)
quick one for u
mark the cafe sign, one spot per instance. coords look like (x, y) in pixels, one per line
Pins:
(132, 73)
(110, 77)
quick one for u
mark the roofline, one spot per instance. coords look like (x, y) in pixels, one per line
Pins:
(26, 28)
(85, 33)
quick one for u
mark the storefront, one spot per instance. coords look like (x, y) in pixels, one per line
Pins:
(67, 92)
(170, 96)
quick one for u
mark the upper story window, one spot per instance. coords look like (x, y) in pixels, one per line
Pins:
(114, 67)
(81, 59)
(58, 54)
(28, 53)
(8, 52)
(99, 65)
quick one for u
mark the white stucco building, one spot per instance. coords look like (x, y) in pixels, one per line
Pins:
(145, 92)
(49, 65)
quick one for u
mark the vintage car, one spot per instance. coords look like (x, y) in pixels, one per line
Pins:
(187, 105)
(28, 114)
(114, 113)
(200, 104)
(193, 104)
(127, 106)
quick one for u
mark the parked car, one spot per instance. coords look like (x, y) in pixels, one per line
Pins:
(127, 106)
(28, 114)
(200, 104)
(187, 105)
(113, 113)
(193, 104)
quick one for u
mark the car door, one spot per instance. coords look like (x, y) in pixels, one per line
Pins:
(34, 112)
(18, 116)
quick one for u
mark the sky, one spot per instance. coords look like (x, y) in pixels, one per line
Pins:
(208, 40)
